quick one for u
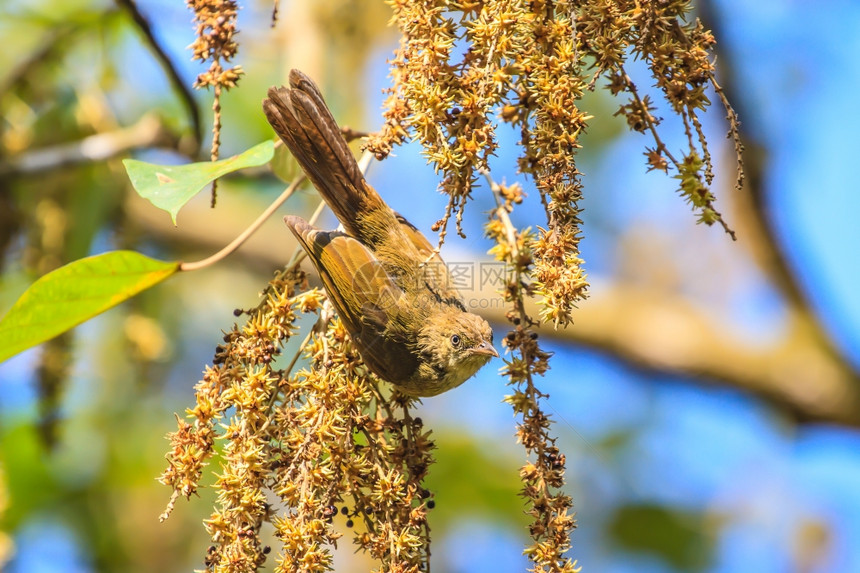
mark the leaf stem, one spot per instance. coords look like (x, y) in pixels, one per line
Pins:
(237, 242)
(363, 164)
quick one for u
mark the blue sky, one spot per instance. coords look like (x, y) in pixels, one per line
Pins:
(799, 71)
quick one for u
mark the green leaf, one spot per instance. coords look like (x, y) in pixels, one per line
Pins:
(680, 537)
(76, 292)
(170, 187)
(473, 479)
(284, 165)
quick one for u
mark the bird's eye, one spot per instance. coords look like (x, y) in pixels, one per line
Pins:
(455, 340)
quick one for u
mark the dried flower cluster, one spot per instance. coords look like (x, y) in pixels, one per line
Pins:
(526, 61)
(300, 449)
(344, 442)
(215, 26)
(678, 55)
(543, 475)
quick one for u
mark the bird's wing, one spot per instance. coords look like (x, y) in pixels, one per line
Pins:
(435, 273)
(365, 296)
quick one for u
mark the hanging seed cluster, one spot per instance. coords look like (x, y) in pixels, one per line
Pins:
(549, 508)
(462, 66)
(296, 450)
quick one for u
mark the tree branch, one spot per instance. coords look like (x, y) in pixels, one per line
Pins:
(149, 131)
(667, 334)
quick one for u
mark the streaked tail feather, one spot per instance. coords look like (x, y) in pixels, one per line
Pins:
(302, 120)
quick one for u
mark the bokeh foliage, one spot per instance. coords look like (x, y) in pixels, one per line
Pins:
(85, 204)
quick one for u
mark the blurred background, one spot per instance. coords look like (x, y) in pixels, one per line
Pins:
(707, 398)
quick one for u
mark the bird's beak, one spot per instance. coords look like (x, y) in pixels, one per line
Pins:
(486, 349)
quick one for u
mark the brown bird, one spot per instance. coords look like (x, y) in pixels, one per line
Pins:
(393, 293)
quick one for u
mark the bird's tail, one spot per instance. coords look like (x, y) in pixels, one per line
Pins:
(301, 118)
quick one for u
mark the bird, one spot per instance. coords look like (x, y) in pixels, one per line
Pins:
(390, 288)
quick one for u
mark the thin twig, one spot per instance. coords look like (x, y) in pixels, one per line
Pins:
(172, 73)
(288, 370)
(237, 242)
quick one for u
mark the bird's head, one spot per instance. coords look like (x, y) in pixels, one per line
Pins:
(454, 345)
